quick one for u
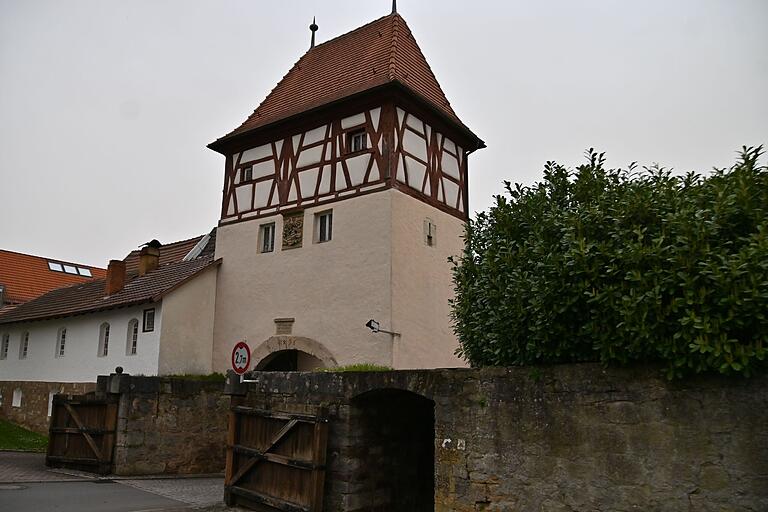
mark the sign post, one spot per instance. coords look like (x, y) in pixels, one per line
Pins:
(241, 358)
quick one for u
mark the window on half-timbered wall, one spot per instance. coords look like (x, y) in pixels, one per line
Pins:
(357, 141)
(246, 174)
(132, 342)
(104, 340)
(4, 346)
(267, 237)
(24, 348)
(324, 226)
(61, 341)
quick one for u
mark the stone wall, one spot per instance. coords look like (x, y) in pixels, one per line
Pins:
(172, 426)
(35, 399)
(572, 437)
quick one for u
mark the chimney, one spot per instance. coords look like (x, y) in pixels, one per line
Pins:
(115, 276)
(149, 257)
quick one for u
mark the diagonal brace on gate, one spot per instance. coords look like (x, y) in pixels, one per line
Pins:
(252, 462)
(83, 430)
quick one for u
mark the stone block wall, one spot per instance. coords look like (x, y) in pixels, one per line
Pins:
(170, 426)
(32, 413)
(564, 438)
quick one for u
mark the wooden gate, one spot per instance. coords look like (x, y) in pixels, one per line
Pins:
(275, 460)
(82, 432)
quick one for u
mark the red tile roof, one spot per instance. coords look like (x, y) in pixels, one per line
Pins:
(380, 52)
(26, 277)
(90, 297)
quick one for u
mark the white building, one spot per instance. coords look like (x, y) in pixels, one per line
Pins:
(147, 317)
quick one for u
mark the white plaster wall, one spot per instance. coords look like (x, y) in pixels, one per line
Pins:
(186, 339)
(422, 285)
(331, 289)
(80, 362)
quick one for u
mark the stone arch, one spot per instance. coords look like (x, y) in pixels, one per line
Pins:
(277, 344)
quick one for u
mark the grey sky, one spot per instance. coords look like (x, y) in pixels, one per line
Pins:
(106, 107)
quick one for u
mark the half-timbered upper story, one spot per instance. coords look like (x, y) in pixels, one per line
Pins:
(358, 114)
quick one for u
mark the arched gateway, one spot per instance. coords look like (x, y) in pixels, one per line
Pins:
(292, 353)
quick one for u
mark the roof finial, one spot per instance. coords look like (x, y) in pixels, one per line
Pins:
(313, 27)
(394, 6)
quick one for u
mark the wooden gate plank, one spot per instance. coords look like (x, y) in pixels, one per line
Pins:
(287, 481)
(318, 473)
(276, 439)
(76, 417)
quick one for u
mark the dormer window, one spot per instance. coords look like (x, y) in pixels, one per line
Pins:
(246, 174)
(357, 141)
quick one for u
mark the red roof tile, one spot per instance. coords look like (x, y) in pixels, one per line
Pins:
(26, 277)
(380, 52)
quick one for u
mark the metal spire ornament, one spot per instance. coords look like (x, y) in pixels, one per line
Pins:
(313, 27)
(394, 6)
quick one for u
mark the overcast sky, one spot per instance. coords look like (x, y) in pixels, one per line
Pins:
(106, 106)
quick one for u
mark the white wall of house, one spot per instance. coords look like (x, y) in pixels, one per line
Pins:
(186, 342)
(82, 361)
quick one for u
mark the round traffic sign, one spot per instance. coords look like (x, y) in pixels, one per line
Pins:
(241, 357)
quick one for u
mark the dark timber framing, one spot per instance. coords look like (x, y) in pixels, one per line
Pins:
(387, 156)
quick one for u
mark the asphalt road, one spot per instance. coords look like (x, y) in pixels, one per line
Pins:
(99, 496)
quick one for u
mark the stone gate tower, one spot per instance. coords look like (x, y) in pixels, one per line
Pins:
(344, 194)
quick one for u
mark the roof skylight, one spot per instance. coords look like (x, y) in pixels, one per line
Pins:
(69, 269)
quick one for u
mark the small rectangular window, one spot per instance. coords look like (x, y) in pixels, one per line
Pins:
(56, 267)
(149, 320)
(69, 269)
(4, 346)
(324, 226)
(84, 272)
(267, 237)
(357, 141)
(246, 174)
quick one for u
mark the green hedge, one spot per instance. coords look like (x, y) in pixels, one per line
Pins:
(619, 266)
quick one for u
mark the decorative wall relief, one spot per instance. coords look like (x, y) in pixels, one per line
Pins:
(293, 230)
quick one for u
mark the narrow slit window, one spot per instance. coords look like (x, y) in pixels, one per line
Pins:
(4, 347)
(246, 174)
(104, 340)
(430, 232)
(61, 342)
(133, 337)
(24, 350)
